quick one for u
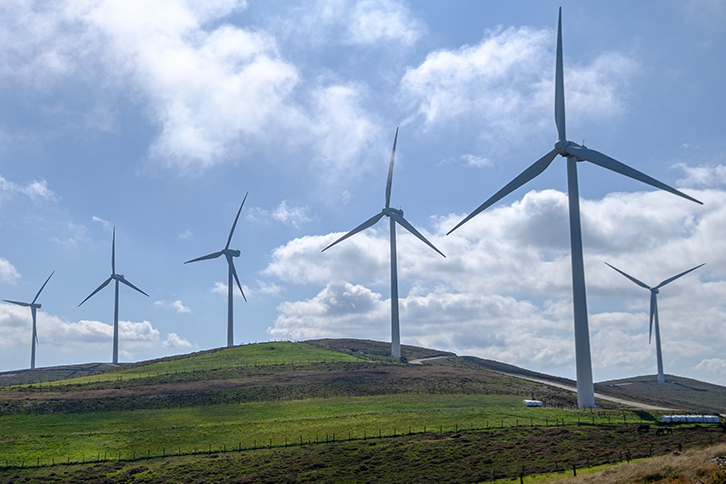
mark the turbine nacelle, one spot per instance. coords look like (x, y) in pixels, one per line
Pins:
(388, 211)
(231, 252)
(561, 148)
(655, 290)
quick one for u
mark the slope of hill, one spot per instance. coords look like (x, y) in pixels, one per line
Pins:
(322, 415)
(52, 373)
(676, 392)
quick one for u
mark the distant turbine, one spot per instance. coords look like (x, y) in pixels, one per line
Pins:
(231, 272)
(118, 278)
(573, 153)
(395, 216)
(33, 307)
(654, 312)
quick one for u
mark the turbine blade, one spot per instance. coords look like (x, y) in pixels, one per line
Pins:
(133, 287)
(560, 85)
(653, 309)
(229, 239)
(641, 284)
(25, 305)
(611, 164)
(668, 281)
(213, 255)
(390, 172)
(41, 287)
(371, 221)
(105, 283)
(234, 273)
(113, 252)
(404, 223)
(535, 169)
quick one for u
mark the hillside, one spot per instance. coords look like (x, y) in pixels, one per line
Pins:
(676, 392)
(320, 411)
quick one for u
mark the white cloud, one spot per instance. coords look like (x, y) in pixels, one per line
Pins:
(506, 83)
(16, 322)
(373, 21)
(36, 190)
(215, 92)
(292, 216)
(104, 223)
(8, 273)
(703, 176)
(222, 288)
(714, 365)
(176, 306)
(173, 340)
(506, 285)
(186, 234)
(477, 161)
(357, 22)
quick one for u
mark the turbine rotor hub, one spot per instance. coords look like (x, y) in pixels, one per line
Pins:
(655, 291)
(232, 252)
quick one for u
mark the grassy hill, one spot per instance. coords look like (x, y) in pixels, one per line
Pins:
(324, 411)
(676, 392)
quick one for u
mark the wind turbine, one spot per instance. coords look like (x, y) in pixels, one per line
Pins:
(231, 272)
(33, 308)
(395, 216)
(574, 153)
(118, 278)
(654, 312)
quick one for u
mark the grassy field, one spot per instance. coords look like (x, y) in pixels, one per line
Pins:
(328, 411)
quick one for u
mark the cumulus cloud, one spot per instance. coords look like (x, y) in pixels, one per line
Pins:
(16, 325)
(36, 190)
(504, 290)
(359, 22)
(505, 82)
(214, 91)
(283, 213)
(8, 273)
(173, 340)
(176, 306)
(702, 176)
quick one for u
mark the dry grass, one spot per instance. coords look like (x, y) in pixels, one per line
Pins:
(695, 466)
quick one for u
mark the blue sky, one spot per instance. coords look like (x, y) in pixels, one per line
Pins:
(158, 117)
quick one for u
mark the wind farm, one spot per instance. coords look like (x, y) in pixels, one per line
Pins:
(512, 353)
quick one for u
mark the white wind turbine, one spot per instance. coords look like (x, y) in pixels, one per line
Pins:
(33, 308)
(654, 312)
(395, 216)
(118, 278)
(574, 153)
(231, 272)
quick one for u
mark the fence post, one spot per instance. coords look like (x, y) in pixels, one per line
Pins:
(574, 470)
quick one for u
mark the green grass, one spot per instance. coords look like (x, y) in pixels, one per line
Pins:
(258, 354)
(74, 435)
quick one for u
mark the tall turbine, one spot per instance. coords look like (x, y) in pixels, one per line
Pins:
(654, 312)
(395, 216)
(33, 308)
(231, 272)
(574, 153)
(118, 278)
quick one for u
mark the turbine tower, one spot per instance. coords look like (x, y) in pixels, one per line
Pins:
(654, 312)
(395, 216)
(573, 153)
(118, 278)
(231, 272)
(33, 308)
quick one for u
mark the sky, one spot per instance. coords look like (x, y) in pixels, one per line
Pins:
(156, 118)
